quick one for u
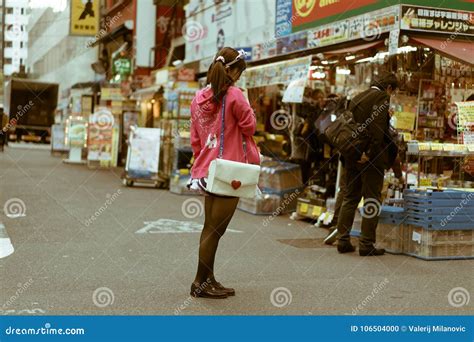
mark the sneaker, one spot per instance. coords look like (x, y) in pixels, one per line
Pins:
(331, 238)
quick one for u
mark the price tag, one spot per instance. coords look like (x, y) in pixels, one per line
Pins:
(423, 146)
(425, 182)
(436, 147)
(316, 211)
(303, 208)
(448, 147)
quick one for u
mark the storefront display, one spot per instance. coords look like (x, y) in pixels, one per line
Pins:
(101, 139)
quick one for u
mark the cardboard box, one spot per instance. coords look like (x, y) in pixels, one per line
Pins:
(276, 176)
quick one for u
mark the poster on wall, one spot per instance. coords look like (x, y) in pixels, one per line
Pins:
(85, 16)
(465, 121)
(437, 20)
(292, 43)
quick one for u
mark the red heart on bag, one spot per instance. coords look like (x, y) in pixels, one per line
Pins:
(235, 184)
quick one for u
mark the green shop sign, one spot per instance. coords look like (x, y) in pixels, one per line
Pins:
(122, 66)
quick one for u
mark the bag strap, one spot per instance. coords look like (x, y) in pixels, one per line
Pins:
(221, 143)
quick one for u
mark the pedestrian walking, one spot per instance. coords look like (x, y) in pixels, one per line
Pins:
(220, 112)
(364, 178)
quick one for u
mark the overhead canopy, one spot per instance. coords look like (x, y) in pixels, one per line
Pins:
(354, 49)
(462, 51)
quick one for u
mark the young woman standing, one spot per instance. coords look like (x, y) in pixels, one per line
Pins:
(240, 124)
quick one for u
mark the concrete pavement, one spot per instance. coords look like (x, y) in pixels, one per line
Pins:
(77, 252)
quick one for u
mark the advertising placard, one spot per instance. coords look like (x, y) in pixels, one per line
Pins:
(430, 19)
(85, 16)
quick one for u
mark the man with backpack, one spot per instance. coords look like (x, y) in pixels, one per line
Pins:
(372, 151)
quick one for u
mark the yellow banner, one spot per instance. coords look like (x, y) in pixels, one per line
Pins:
(84, 17)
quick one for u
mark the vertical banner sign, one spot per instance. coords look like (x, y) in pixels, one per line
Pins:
(84, 17)
(393, 42)
(283, 18)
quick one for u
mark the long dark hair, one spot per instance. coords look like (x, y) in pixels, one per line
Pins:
(218, 76)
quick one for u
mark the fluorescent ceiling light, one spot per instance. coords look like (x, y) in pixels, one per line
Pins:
(350, 58)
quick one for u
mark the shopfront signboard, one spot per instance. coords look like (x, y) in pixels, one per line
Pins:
(283, 18)
(369, 27)
(278, 73)
(437, 20)
(84, 18)
(100, 135)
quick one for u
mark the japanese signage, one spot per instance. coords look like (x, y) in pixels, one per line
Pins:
(84, 17)
(437, 20)
(368, 26)
(278, 73)
(284, 18)
(311, 13)
(122, 66)
(307, 14)
(99, 136)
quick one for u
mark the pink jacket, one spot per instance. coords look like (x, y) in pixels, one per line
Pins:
(240, 123)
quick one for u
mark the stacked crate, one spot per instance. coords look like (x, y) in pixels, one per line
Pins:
(391, 229)
(280, 183)
(440, 224)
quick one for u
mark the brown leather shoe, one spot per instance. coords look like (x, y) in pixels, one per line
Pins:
(207, 290)
(230, 291)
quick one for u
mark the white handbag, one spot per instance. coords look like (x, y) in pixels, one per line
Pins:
(231, 178)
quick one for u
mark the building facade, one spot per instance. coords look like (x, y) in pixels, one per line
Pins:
(15, 35)
(54, 52)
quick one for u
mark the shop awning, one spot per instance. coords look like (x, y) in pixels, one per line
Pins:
(146, 93)
(355, 48)
(462, 51)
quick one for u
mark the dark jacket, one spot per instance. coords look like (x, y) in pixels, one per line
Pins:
(371, 109)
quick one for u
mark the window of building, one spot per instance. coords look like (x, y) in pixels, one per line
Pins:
(8, 61)
(9, 10)
(8, 44)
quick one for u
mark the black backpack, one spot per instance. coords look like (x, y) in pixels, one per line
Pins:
(339, 129)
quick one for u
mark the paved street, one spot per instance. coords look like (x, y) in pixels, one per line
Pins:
(77, 251)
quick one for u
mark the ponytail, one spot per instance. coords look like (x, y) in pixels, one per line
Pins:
(218, 75)
(219, 80)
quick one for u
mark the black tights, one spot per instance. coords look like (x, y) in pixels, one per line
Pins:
(219, 212)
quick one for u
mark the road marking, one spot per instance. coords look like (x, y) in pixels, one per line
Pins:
(6, 247)
(166, 226)
(20, 312)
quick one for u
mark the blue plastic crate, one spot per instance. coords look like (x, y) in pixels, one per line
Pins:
(431, 217)
(438, 226)
(445, 194)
